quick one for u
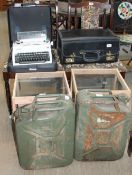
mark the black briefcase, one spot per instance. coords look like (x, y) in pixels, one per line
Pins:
(87, 46)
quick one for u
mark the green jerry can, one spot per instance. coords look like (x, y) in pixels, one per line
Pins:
(44, 132)
(102, 125)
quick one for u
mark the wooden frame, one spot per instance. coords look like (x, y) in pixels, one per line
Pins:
(23, 100)
(125, 91)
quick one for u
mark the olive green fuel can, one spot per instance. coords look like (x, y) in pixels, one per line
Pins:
(45, 132)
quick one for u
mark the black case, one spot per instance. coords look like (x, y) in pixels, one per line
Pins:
(29, 17)
(87, 46)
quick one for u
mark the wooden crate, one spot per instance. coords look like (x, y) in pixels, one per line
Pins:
(27, 85)
(117, 85)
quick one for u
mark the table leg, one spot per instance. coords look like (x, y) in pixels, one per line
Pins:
(129, 61)
(8, 94)
(129, 151)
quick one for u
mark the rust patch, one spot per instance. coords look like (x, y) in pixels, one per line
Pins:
(102, 137)
(103, 120)
(89, 139)
(116, 137)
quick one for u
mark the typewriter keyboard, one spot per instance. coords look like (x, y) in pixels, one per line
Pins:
(32, 57)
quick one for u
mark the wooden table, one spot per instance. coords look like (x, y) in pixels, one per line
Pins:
(7, 76)
(129, 150)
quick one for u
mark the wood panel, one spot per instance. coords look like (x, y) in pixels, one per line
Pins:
(23, 100)
(125, 90)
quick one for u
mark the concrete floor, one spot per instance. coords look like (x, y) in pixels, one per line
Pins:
(8, 157)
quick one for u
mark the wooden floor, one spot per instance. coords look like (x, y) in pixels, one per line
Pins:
(8, 157)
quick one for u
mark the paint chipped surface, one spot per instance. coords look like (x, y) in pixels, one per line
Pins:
(101, 134)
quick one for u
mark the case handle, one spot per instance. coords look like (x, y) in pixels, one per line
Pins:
(90, 59)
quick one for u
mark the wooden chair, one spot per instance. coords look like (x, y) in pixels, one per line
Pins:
(76, 16)
(60, 12)
(78, 11)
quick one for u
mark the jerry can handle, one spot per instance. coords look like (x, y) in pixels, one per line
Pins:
(48, 102)
(40, 103)
(115, 102)
(100, 90)
(36, 105)
(47, 95)
(50, 99)
(34, 116)
(48, 109)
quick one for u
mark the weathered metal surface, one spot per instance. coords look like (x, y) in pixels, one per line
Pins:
(45, 132)
(102, 126)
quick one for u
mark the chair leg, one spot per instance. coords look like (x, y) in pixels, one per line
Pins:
(131, 58)
(129, 61)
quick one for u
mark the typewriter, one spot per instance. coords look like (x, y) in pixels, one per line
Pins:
(31, 48)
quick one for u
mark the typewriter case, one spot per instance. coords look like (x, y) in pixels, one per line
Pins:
(26, 18)
(87, 46)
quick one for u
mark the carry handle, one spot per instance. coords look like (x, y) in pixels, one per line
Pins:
(115, 102)
(41, 106)
(48, 102)
(49, 109)
(47, 95)
(90, 59)
(34, 116)
(50, 99)
(100, 90)
(37, 104)
(37, 111)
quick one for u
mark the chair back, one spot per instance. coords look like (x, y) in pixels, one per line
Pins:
(89, 14)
